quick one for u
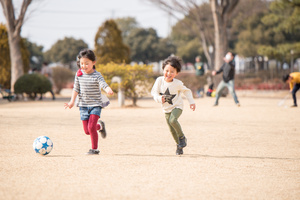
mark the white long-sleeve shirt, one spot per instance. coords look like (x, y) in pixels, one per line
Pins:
(172, 90)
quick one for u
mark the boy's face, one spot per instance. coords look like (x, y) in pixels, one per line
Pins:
(86, 65)
(170, 73)
(289, 80)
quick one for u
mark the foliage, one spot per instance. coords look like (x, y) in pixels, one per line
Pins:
(109, 46)
(5, 62)
(126, 25)
(36, 55)
(283, 23)
(136, 79)
(61, 77)
(244, 18)
(254, 35)
(31, 84)
(65, 51)
(186, 37)
(146, 46)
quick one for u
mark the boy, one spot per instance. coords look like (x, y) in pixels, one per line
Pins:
(166, 90)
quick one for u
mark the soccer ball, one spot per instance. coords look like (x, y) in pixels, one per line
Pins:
(42, 145)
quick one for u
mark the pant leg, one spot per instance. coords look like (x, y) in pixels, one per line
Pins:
(92, 127)
(230, 86)
(172, 130)
(294, 91)
(174, 125)
(220, 87)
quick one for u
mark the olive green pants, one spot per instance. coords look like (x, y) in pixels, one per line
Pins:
(173, 124)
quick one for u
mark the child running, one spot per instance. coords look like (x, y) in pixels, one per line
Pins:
(87, 85)
(167, 90)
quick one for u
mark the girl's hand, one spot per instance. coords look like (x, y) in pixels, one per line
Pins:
(193, 107)
(163, 99)
(68, 105)
(213, 73)
(109, 91)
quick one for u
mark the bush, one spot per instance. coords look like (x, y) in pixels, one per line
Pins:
(136, 79)
(32, 84)
(61, 77)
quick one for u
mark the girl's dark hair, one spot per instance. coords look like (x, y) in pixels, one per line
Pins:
(86, 53)
(174, 61)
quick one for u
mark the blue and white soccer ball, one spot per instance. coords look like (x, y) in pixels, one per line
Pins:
(42, 145)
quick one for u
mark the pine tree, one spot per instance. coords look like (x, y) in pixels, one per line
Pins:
(109, 46)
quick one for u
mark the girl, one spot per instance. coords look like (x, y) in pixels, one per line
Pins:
(87, 85)
(167, 90)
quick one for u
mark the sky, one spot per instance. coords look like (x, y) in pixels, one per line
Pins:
(48, 21)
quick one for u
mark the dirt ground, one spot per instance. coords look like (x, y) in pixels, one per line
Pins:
(247, 152)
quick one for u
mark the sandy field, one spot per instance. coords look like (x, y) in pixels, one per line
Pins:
(247, 152)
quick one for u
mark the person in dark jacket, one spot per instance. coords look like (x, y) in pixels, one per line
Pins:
(228, 69)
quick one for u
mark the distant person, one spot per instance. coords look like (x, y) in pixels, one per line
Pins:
(228, 69)
(293, 79)
(166, 90)
(87, 86)
(47, 72)
(199, 68)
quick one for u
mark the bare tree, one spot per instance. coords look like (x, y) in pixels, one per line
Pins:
(221, 11)
(14, 36)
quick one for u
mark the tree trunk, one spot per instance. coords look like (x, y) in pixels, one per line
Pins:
(221, 11)
(220, 34)
(15, 58)
(14, 37)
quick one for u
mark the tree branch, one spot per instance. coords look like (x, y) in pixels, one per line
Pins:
(20, 19)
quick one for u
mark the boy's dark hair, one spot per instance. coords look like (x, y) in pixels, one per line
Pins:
(86, 53)
(285, 77)
(174, 61)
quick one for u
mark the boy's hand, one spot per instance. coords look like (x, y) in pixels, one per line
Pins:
(193, 107)
(109, 91)
(163, 99)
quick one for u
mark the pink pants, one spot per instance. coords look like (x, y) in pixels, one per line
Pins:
(90, 127)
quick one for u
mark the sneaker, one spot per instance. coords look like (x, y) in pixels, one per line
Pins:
(216, 104)
(293, 106)
(103, 130)
(182, 142)
(238, 104)
(93, 152)
(179, 150)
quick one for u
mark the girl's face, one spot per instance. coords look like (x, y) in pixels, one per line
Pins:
(86, 65)
(169, 73)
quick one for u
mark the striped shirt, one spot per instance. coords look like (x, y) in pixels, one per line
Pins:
(88, 87)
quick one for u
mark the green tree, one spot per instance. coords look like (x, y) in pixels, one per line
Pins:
(252, 36)
(154, 48)
(283, 23)
(36, 55)
(186, 40)
(109, 46)
(126, 25)
(164, 48)
(146, 46)
(65, 51)
(136, 79)
(5, 62)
